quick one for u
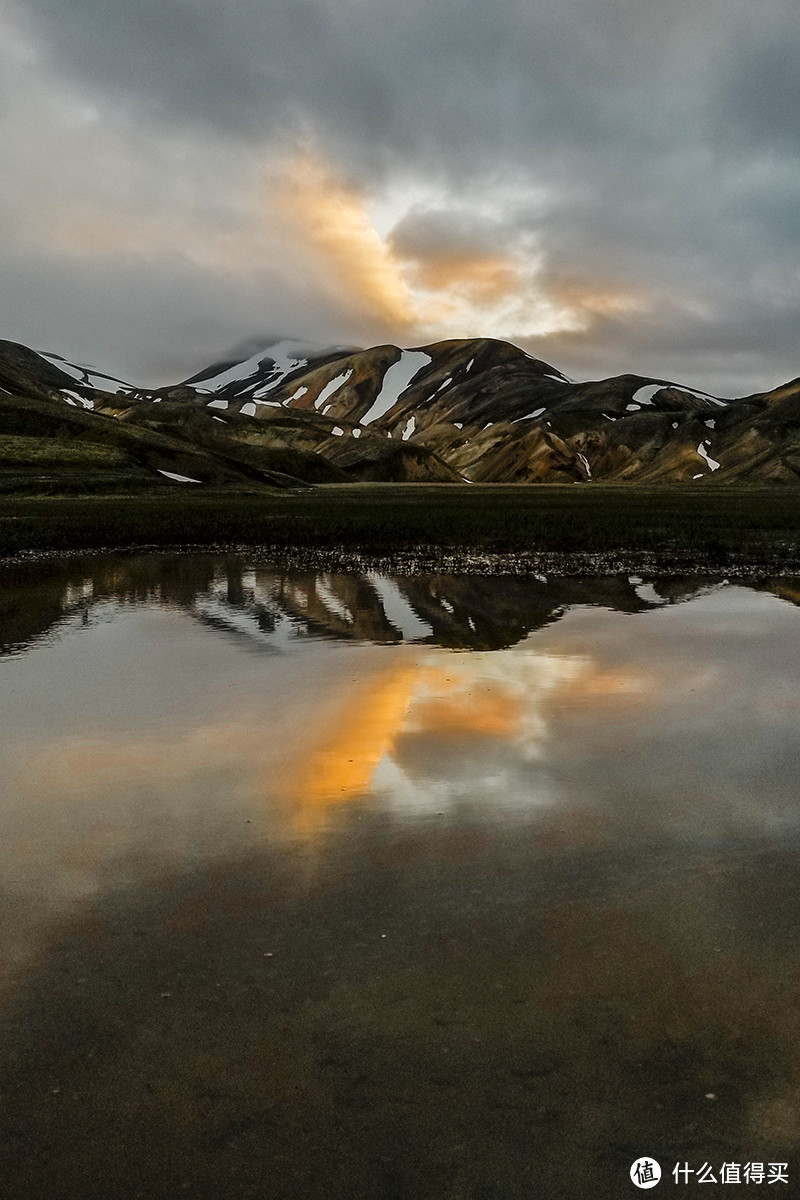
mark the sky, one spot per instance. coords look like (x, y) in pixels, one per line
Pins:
(611, 184)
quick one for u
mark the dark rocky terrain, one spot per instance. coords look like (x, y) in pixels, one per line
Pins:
(478, 410)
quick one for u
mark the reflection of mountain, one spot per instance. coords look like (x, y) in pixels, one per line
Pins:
(268, 606)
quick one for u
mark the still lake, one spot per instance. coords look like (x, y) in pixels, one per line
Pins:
(333, 885)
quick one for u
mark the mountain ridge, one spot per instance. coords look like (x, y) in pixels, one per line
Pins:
(474, 410)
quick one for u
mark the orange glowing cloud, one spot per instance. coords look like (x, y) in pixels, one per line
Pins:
(92, 229)
(485, 280)
(597, 298)
(420, 289)
(331, 216)
(300, 223)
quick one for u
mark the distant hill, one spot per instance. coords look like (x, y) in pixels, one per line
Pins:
(478, 410)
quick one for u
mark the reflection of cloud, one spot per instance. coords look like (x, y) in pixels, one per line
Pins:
(418, 730)
(455, 704)
(342, 765)
(494, 714)
(480, 726)
(451, 726)
(601, 728)
(328, 745)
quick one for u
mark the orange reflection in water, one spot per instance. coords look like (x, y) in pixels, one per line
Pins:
(492, 713)
(476, 696)
(343, 763)
(329, 741)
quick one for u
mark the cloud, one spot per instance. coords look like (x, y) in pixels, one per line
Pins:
(612, 181)
(330, 216)
(452, 249)
(476, 274)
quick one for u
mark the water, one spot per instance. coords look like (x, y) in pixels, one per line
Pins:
(324, 885)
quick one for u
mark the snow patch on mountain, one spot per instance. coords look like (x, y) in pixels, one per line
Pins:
(286, 356)
(75, 398)
(701, 450)
(644, 395)
(88, 376)
(702, 396)
(395, 381)
(62, 364)
(177, 478)
(332, 386)
(104, 383)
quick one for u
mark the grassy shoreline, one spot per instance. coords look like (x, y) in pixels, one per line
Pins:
(599, 528)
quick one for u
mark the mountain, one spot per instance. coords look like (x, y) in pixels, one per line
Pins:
(476, 410)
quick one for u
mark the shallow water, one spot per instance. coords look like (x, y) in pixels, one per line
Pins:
(448, 886)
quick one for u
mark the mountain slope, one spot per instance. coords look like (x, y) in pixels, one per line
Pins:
(479, 410)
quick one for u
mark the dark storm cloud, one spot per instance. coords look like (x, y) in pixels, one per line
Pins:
(91, 310)
(440, 80)
(759, 82)
(663, 136)
(446, 233)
